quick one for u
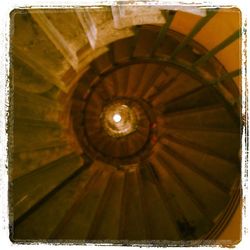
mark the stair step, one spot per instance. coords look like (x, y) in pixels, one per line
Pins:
(132, 225)
(77, 106)
(214, 116)
(25, 162)
(182, 84)
(225, 145)
(121, 50)
(166, 48)
(203, 97)
(137, 140)
(157, 217)
(148, 78)
(35, 107)
(27, 79)
(108, 219)
(152, 78)
(212, 198)
(108, 83)
(81, 220)
(61, 201)
(94, 106)
(122, 76)
(34, 186)
(134, 78)
(42, 137)
(207, 163)
(77, 118)
(71, 32)
(47, 21)
(103, 63)
(111, 85)
(183, 208)
(48, 62)
(145, 41)
(167, 77)
(84, 86)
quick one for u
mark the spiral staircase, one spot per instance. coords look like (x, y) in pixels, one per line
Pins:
(124, 124)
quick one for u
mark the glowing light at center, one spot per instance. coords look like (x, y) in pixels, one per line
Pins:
(117, 118)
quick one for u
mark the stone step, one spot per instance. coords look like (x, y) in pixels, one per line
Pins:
(27, 79)
(160, 224)
(132, 225)
(40, 123)
(204, 96)
(207, 193)
(207, 117)
(37, 51)
(162, 83)
(82, 218)
(40, 137)
(61, 200)
(151, 73)
(34, 186)
(206, 163)
(184, 209)
(64, 29)
(36, 109)
(121, 49)
(135, 75)
(145, 40)
(25, 162)
(224, 144)
(109, 214)
(182, 84)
